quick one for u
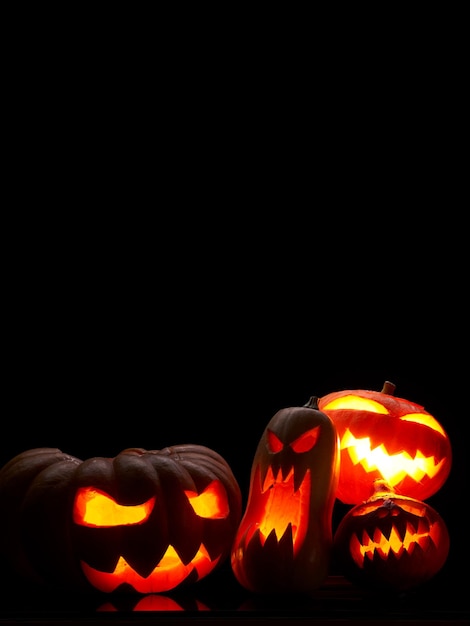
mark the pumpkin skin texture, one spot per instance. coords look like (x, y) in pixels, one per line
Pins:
(143, 521)
(383, 437)
(284, 540)
(391, 542)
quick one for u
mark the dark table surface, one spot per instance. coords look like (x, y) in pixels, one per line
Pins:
(219, 598)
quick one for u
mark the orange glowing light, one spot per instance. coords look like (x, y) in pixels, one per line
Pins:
(281, 509)
(392, 467)
(284, 540)
(385, 437)
(356, 403)
(169, 573)
(283, 505)
(96, 508)
(396, 541)
(211, 503)
(391, 540)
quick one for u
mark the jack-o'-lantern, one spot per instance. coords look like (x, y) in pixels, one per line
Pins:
(391, 541)
(284, 540)
(383, 437)
(143, 521)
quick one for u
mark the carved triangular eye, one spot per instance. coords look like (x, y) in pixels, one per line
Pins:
(306, 441)
(93, 507)
(212, 503)
(274, 443)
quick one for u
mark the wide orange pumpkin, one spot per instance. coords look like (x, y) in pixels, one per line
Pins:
(143, 521)
(384, 437)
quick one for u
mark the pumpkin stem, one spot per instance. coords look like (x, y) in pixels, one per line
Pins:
(312, 403)
(388, 388)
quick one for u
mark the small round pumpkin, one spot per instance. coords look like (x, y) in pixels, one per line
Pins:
(383, 437)
(143, 521)
(284, 540)
(391, 541)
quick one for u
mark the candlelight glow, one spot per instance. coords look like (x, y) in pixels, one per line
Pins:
(211, 503)
(385, 437)
(392, 467)
(169, 573)
(96, 508)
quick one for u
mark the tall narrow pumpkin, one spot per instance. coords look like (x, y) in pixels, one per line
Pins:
(383, 437)
(284, 540)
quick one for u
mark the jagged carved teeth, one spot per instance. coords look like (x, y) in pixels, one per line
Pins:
(291, 478)
(285, 508)
(393, 466)
(398, 537)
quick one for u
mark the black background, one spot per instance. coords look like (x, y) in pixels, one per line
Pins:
(185, 253)
(113, 346)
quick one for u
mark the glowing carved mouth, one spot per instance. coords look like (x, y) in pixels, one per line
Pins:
(169, 573)
(392, 467)
(282, 511)
(400, 538)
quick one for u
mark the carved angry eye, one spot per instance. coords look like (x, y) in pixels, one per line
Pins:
(212, 503)
(96, 508)
(304, 443)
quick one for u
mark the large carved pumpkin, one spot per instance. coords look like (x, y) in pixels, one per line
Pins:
(391, 541)
(383, 437)
(284, 540)
(144, 521)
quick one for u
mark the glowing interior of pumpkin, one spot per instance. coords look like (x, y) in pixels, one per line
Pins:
(167, 575)
(392, 467)
(95, 508)
(211, 503)
(398, 539)
(280, 509)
